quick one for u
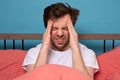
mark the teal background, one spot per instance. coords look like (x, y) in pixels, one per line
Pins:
(96, 16)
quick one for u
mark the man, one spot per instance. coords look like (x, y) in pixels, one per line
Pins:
(60, 43)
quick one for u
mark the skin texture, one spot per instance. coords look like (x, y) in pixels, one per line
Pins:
(60, 35)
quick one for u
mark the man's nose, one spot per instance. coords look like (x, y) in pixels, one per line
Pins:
(60, 33)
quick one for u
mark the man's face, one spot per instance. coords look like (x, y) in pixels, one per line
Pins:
(60, 34)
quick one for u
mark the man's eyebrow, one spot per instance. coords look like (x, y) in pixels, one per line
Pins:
(65, 26)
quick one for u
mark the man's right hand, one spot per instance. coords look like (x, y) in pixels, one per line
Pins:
(47, 35)
(42, 57)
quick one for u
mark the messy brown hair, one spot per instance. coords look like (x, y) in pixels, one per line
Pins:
(58, 10)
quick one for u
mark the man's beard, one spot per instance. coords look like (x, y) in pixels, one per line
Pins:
(62, 47)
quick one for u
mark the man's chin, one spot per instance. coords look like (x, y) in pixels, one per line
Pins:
(59, 47)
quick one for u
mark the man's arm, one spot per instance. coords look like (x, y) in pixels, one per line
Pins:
(76, 53)
(79, 64)
(41, 59)
(43, 54)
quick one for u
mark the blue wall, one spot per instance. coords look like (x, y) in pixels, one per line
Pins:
(25, 16)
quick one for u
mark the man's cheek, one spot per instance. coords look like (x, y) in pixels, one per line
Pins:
(54, 32)
(67, 33)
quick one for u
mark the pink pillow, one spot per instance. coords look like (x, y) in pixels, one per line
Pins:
(10, 63)
(54, 72)
(114, 76)
(109, 63)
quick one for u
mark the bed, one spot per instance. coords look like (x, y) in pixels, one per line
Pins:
(11, 59)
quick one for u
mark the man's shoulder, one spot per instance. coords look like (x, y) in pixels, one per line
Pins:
(85, 49)
(38, 46)
(82, 45)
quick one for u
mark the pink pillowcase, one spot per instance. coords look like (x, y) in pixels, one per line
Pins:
(114, 76)
(10, 63)
(109, 63)
(54, 72)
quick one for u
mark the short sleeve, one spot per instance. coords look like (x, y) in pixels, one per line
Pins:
(31, 56)
(89, 58)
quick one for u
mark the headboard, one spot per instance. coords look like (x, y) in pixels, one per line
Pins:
(23, 37)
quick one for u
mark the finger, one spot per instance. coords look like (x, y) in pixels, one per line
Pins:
(49, 26)
(70, 24)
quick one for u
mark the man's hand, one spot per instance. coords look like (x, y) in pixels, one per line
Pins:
(77, 60)
(47, 35)
(73, 34)
(43, 54)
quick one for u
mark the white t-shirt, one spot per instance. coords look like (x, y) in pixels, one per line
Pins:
(62, 57)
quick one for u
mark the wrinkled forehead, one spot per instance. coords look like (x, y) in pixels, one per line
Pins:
(60, 22)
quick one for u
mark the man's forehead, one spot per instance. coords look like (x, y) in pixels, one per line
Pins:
(59, 25)
(59, 22)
